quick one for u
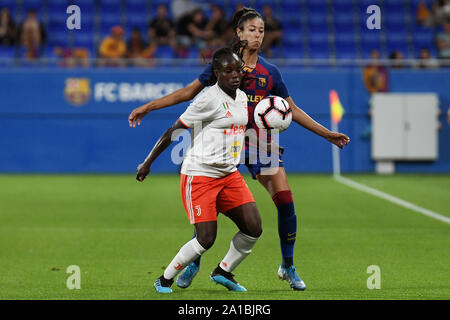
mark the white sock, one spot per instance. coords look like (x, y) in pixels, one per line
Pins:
(188, 253)
(240, 247)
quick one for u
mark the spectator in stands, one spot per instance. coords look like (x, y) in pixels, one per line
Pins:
(272, 31)
(217, 28)
(180, 8)
(191, 32)
(113, 48)
(8, 30)
(441, 11)
(217, 24)
(443, 41)
(32, 35)
(136, 46)
(72, 57)
(426, 61)
(161, 28)
(375, 75)
(397, 59)
(423, 15)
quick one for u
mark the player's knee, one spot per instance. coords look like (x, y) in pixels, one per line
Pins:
(257, 232)
(255, 229)
(206, 240)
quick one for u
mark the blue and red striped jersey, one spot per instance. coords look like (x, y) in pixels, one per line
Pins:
(264, 80)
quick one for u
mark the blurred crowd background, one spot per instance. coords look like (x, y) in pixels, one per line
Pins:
(144, 33)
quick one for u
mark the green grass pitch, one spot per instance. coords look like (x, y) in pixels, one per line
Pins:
(122, 234)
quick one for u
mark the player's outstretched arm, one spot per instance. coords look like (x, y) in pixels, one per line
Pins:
(163, 142)
(303, 119)
(181, 95)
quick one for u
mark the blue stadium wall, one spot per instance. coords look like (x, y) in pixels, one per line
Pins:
(43, 130)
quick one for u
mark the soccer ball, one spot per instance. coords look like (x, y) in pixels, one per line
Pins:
(273, 112)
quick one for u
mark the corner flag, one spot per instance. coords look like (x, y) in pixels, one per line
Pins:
(337, 110)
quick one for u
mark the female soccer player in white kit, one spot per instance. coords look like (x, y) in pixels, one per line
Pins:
(210, 182)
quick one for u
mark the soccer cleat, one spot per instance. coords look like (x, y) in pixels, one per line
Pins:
(291, 276)
(184, 280)
(162, 285)
(226, 279)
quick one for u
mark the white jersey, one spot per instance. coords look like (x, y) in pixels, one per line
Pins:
(217, 125)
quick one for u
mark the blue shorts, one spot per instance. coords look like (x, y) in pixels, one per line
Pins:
(254, 164)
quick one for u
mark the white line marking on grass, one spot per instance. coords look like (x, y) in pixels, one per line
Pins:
(388, 197)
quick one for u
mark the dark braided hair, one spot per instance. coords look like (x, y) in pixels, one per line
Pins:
(218, 57)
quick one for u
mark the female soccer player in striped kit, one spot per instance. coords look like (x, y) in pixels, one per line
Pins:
(210, 182)
(249, 28)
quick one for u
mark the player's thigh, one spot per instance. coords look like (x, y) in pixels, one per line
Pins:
(234, 193)
(199, 196)
(247, 219)
(275, 181)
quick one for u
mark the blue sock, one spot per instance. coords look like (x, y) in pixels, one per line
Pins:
(287, 225)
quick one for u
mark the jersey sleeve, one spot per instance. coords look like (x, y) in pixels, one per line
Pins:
(205, 75)
(201, 109)
(279, 88)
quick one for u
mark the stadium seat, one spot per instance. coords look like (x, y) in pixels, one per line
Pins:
(7, 52)
(292, 37)
(164, 52)
(9, 3)
(292, 52)
(342, 7)
(132, 8)
(316, 7)
(394, 22)
(291, 19)
(346, 53)
(138, 19)
(111, 7)
(85, 39)
(318, 45)
(317, 22)
(57, 6)
(394, 6)
(319, 53)
(345, 44)
(85, 5)
(424, 38)
(343, 23)
(58, 38)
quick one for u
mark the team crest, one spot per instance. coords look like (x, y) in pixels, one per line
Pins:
(235, 149)
(262, 82)
(77, 91)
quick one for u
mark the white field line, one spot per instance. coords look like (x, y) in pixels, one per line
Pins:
(388, 197)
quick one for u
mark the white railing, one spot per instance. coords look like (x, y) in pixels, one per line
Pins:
(178, 62)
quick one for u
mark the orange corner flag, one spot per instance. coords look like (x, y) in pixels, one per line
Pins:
(336, 107)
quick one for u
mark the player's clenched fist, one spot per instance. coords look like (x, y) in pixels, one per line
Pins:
(142, 172)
